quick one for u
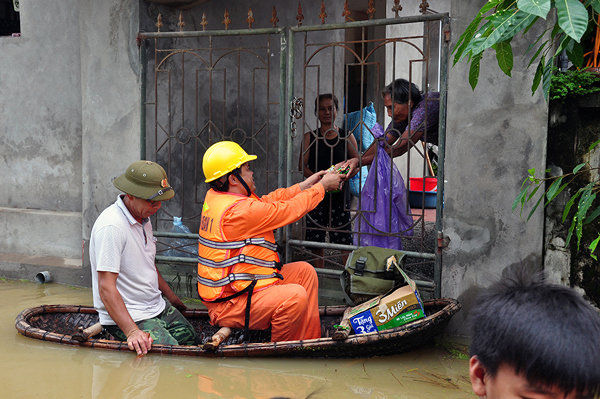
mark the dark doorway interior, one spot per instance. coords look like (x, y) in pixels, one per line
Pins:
(10, 23)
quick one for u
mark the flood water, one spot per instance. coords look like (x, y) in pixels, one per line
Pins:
(30, 368)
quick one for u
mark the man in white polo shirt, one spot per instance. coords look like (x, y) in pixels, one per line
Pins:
(128, 289)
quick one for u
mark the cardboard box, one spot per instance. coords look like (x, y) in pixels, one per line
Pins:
(384, 312)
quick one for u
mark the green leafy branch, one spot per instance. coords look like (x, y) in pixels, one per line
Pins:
(573, 83)
(585, 197)
(498, 21)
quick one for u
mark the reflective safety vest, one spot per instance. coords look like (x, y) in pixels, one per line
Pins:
(237, 264)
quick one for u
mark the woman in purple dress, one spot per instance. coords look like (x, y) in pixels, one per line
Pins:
(402, 99)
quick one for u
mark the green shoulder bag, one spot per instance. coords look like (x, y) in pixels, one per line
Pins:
(370, 272)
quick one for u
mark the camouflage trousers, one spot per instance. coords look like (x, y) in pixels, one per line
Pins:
(168, 328)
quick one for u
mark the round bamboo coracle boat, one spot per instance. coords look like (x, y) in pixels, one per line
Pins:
(67, 324)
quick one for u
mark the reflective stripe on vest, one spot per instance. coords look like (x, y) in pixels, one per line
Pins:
(239, 259)
(261, 242)
(236, 277)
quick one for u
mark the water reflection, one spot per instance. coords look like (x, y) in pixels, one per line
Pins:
(227, 381)
(134, 378)
(68, 372)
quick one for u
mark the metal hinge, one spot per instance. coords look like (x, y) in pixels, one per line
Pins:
(443, 241)
(447, 33)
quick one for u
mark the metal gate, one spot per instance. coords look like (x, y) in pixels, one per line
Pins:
(205, 87)
(206, 90)
(208, 86)
(326, 67)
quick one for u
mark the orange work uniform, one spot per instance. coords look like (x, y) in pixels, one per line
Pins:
(237, 242)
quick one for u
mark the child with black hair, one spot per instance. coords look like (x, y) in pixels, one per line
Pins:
(534, 340)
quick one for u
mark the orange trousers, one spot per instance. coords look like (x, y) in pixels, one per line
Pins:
(290, 308)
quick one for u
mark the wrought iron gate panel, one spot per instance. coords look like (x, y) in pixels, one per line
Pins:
(208, 87)
(327, 58)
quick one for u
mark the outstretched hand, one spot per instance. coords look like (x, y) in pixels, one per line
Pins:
(352, 163)
(332, 181)
(312, 180)
(329, 180)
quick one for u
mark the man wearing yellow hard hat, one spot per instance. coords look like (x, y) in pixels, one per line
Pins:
(126, 285)
(240, 277)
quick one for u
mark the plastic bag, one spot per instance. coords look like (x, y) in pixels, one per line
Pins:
(375, 203)
(188, 247)
(365, 138)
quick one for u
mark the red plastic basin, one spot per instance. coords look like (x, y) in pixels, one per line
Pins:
(423, 184)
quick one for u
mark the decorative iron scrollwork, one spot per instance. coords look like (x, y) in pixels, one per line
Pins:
(323, 14)
(397, 7)
(159, 22)
(371, 9)
(274, 18)
(300, 16)
(226, 19)
(204, 22)
(346, 13)
(250, 19)
(296, 110)
(181, 23)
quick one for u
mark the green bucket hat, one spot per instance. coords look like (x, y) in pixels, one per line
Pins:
(146, 180)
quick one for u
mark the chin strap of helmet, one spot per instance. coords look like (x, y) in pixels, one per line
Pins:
(237, 174)
(160, 192)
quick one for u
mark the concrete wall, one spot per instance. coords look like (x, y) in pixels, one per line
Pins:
(40, 133)
(110, 91)
(494, 134)
(70, 117)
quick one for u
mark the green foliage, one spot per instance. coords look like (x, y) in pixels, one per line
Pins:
(573, 83)
(494, 26)
(582, 214)
(498, 21)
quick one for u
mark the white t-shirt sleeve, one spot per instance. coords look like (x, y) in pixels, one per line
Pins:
(109, 244)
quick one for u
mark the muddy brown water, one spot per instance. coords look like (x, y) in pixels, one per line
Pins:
(30, 368)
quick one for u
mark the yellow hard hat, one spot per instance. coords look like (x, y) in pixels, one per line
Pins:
(223, 157)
